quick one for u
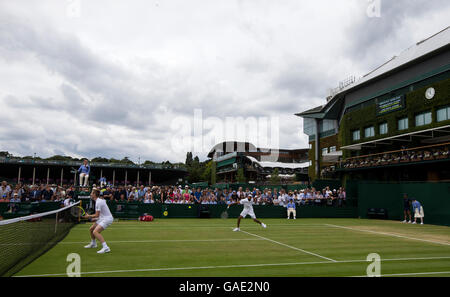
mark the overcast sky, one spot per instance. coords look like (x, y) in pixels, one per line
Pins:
(108, 78)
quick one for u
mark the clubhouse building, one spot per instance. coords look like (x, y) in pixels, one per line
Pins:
(393, 124)
(257, 163)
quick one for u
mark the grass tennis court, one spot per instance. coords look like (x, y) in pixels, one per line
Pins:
(208, 247)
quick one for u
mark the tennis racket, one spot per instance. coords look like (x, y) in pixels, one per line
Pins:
(224, 214)
(77, 211)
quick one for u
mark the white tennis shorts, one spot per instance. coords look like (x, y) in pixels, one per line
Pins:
(419, 213)
(104, 222)
(249, 212)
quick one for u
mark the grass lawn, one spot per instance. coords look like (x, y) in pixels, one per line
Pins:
(208, 247)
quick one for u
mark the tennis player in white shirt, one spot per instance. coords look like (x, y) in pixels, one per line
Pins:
(67, 201)
(103, 218)
(248, 210)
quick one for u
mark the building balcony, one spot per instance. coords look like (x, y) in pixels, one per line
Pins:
(418, 155)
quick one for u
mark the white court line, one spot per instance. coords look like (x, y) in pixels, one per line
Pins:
(234, 266)
(123, 226)
(167, 240)
(291, 247)
(390, 234)
(412, 273)
(147, 241)
(150, 228)
(140, 241)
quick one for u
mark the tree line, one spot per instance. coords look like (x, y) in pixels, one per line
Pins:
(125, 160)
(197, 171)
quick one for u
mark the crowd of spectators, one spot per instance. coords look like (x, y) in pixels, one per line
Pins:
(404, 156)
(186, 195)
(399, 157)
(172, 195)
(34, 193)
(13, 195)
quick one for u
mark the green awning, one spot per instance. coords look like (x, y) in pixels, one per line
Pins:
(226, 162)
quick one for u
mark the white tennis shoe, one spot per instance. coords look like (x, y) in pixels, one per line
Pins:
(90, 246)
(104, 250)
(263, 225)
(236, 229)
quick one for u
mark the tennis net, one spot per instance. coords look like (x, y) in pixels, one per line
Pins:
(24, 239)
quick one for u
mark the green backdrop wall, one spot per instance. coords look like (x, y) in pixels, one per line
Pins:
(26, 208)
(361, 196)
(134, 210)
(434, 197)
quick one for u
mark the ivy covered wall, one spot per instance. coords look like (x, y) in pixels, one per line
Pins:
(325, 142)
(415, 104)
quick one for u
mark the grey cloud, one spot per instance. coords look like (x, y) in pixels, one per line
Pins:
(74, 103)
(98, 107)
(303, 80)
(65, 55)
(375, 40)
(254, 65)
(45, 103)
(37, 103)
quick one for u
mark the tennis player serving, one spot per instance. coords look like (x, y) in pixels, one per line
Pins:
(248, 210)
(104, 219)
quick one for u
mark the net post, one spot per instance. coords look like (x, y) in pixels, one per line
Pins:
(56, 222)
(79, 213)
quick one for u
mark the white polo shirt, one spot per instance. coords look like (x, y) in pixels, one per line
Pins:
(105, 213)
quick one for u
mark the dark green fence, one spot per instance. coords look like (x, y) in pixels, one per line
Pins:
(361, 196)
(434, 197)
(320, 184)
(134, 210)
(157, 210)
(13, 210)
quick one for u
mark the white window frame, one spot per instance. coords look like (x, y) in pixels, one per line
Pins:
(422, 117)
(372, 132)
(403, 120)
(447, 114)
(385, 124)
